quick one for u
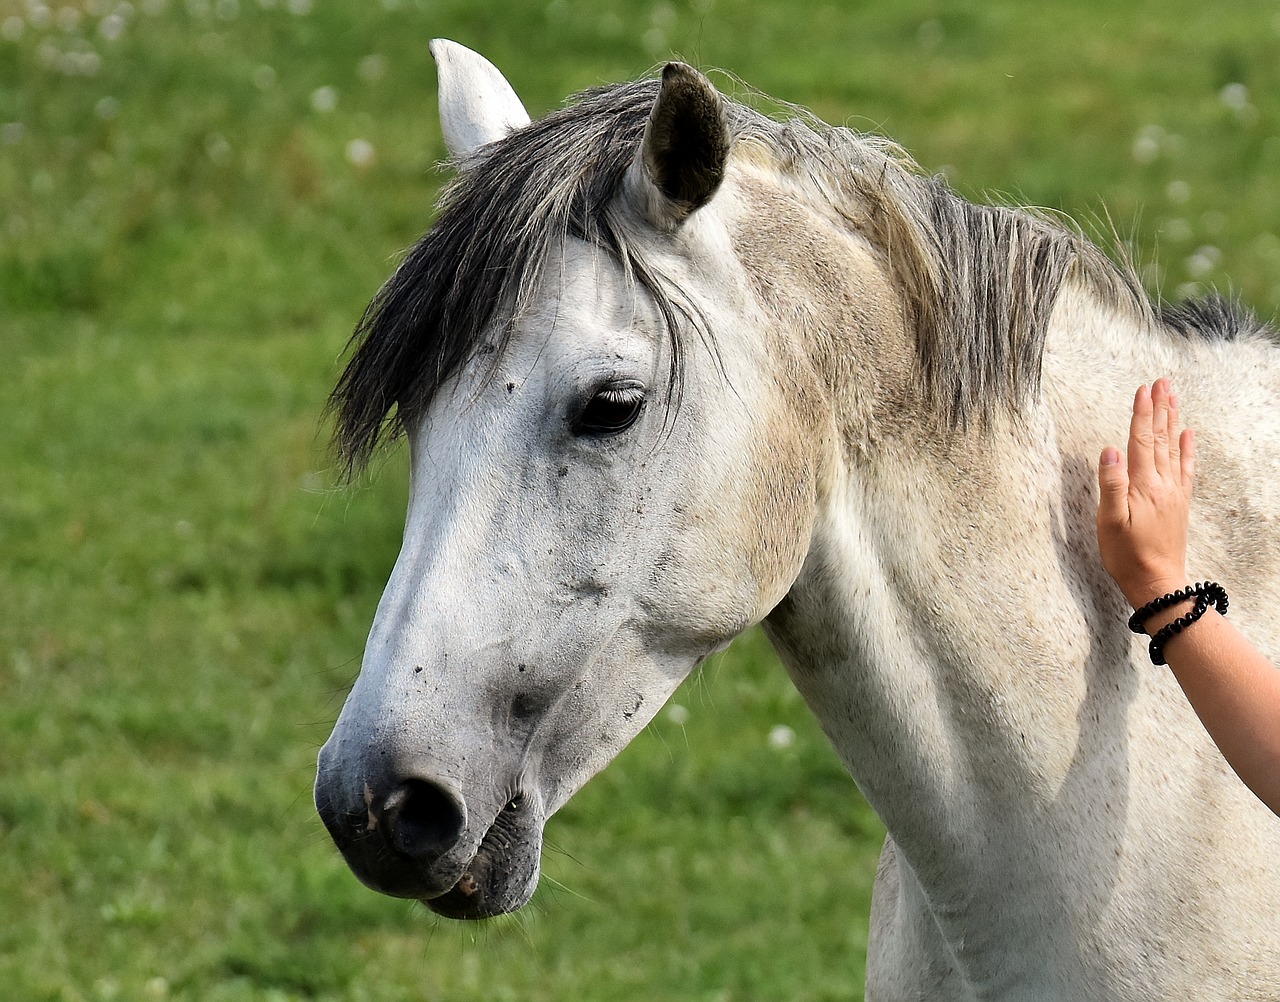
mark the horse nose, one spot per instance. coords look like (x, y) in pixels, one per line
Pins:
(423, 819)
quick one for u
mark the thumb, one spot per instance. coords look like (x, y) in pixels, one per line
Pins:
(1113, 486)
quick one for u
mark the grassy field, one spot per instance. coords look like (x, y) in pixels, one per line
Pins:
(196, 200)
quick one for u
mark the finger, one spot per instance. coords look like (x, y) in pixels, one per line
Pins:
(1113, 488)
(1188, 454)
(1141, 440)
(1160, 424)
(1175, 440)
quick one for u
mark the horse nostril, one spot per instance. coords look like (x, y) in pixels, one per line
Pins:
(423, 819)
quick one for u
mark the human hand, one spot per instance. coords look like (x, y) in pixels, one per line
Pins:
(1142, 513)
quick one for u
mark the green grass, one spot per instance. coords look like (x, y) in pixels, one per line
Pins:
(185, 245)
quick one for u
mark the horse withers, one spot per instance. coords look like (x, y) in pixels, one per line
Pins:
(669, 368)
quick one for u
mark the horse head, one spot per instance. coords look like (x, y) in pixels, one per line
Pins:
(606, 486)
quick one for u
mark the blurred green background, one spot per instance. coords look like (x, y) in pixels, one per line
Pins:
(196, 201)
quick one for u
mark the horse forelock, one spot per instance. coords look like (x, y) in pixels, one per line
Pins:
(978, 283)
(461, 287)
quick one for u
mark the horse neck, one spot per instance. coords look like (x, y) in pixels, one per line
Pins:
(943, 631)
(944, 605)
(953, 577)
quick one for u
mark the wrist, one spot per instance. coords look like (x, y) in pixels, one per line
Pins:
(1169, 601)
(1163, 618)
(1140, 593)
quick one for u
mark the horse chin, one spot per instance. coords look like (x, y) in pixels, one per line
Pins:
(502, 875)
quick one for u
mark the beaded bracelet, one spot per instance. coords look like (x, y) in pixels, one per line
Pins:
(1206, 594)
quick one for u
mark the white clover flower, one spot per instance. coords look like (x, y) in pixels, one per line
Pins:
(1177, 229)
(1203, 261)
(361, 154)
(1148, 143)
(90, 63)
(1145, 149)
(372, 68)
(1234, 96)
(217, 148)
(324, 99)
(677, 714)
(112, 27)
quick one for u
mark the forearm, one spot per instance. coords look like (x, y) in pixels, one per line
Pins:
(1236, 693)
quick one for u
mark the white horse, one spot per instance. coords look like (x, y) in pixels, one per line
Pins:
(669, 368)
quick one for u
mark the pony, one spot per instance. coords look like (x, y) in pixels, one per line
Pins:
(669, 368)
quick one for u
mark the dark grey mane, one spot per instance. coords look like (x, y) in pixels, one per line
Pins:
(1215, 318)
(506, 213)
(979, 283)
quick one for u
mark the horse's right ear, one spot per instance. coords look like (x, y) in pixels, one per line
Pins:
(681, 160)
(477, 105)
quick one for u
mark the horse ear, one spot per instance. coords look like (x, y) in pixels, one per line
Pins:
(477, 105)
(686, 142)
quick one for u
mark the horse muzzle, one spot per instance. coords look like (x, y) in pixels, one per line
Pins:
(416, 836)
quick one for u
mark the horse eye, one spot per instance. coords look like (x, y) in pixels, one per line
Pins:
(611, 410)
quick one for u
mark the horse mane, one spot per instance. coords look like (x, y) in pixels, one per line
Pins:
(979, 282)
(1215, 317)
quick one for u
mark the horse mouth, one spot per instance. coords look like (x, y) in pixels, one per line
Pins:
(503, 874)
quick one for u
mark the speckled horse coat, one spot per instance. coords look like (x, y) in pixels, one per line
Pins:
(667, 369)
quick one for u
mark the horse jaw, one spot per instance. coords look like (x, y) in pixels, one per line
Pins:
(477, 105)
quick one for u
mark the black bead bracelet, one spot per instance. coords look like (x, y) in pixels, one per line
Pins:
(1206, 594)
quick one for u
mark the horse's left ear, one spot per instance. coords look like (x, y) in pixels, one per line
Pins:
(686, 142)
